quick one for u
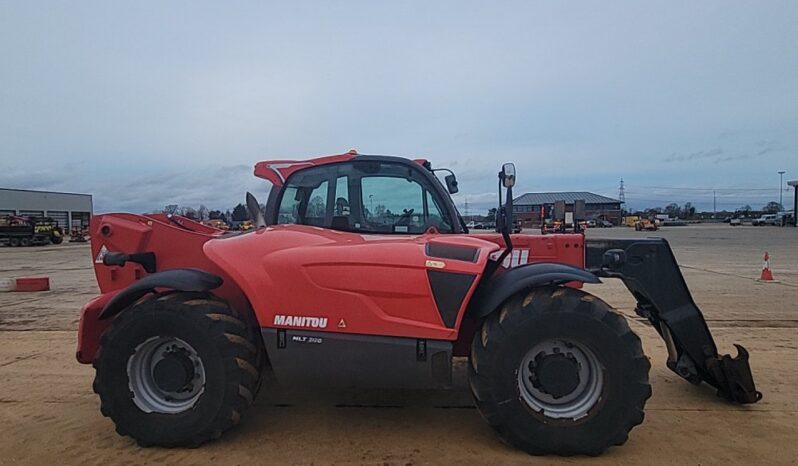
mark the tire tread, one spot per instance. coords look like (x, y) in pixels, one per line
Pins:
(238, 349)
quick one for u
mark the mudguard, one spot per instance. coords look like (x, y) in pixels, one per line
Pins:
(175, 279)
(497, 289)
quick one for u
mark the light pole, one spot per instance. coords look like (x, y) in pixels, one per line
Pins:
(781, 184)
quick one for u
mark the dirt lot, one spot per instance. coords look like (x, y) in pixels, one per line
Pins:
(50, 415)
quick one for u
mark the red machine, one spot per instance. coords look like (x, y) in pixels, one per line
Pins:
(361, 274)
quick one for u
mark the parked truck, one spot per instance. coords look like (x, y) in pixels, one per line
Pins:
(29, 231)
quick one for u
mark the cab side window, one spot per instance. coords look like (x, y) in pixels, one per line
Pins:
(342, 212)
(392, 205)
(395, 199)
(305, 198)
(288, 211)
(435, 215)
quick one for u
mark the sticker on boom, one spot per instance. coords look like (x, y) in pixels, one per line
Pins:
(300, 321)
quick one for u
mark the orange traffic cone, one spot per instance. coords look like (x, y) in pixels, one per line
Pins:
(766, 275)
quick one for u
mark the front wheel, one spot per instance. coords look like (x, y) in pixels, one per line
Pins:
(556, 371)
(177, 370)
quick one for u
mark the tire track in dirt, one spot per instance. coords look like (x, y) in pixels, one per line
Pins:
(83, 437)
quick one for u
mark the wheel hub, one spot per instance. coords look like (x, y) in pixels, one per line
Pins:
(175, 372)
(561, 379)
(556, 374)
(165, 375)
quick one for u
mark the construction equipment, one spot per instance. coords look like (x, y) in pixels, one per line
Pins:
(630, 220)
(78, 235)
(29, 231)
(645, 224)
(361, 274)
(563, 221)
(217, 223)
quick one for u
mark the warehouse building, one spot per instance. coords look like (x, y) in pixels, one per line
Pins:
(70, 210)
(529, 207)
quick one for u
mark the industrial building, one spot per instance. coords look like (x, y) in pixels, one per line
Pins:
(530, 207)
(70, 210)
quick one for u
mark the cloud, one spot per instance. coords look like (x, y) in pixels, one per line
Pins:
(144, 110)
(717, 155)
(215, 186)
(708, 154)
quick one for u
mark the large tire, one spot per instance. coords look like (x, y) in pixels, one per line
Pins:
(13, 241)
(209, 348)
(545, 347)
(25, 241)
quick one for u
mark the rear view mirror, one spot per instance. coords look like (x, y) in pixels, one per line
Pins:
(508, 175)
(451, 184)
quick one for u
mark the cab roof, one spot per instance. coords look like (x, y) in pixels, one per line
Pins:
(277, 171)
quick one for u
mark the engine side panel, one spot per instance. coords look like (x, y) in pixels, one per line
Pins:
(561, 248)
(317, 279)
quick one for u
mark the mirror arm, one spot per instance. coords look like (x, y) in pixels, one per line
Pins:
(442, 170)
(504, 220)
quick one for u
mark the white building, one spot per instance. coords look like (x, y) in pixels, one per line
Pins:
(68, 209)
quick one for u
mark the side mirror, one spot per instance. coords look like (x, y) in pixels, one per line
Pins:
(451, 184)
(508, 175)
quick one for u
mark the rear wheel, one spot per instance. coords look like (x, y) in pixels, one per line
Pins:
(13, 241)
(177, 370)
(557, 371)
(25, 241)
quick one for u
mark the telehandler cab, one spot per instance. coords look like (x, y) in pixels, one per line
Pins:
(361, 274)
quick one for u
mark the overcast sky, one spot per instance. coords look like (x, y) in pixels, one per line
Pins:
(151, 103)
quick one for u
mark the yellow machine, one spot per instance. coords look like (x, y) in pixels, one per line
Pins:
(645, 225)
(631, 220)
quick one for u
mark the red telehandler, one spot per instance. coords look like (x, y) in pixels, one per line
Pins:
(361, 274)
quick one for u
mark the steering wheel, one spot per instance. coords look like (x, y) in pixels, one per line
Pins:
(404, 219)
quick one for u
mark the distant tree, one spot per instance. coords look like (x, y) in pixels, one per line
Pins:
(171, 209)
(379, 211)
(772, 207)
(189, 212)
(745, 209)
(652, 211)
(491, 215)
(673, 210)
(316, 207)
(688, 210)
(215, 214)
(202, 213)
(240, 213)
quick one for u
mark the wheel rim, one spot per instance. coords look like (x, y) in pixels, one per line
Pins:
(165, 375)
(561, 379)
